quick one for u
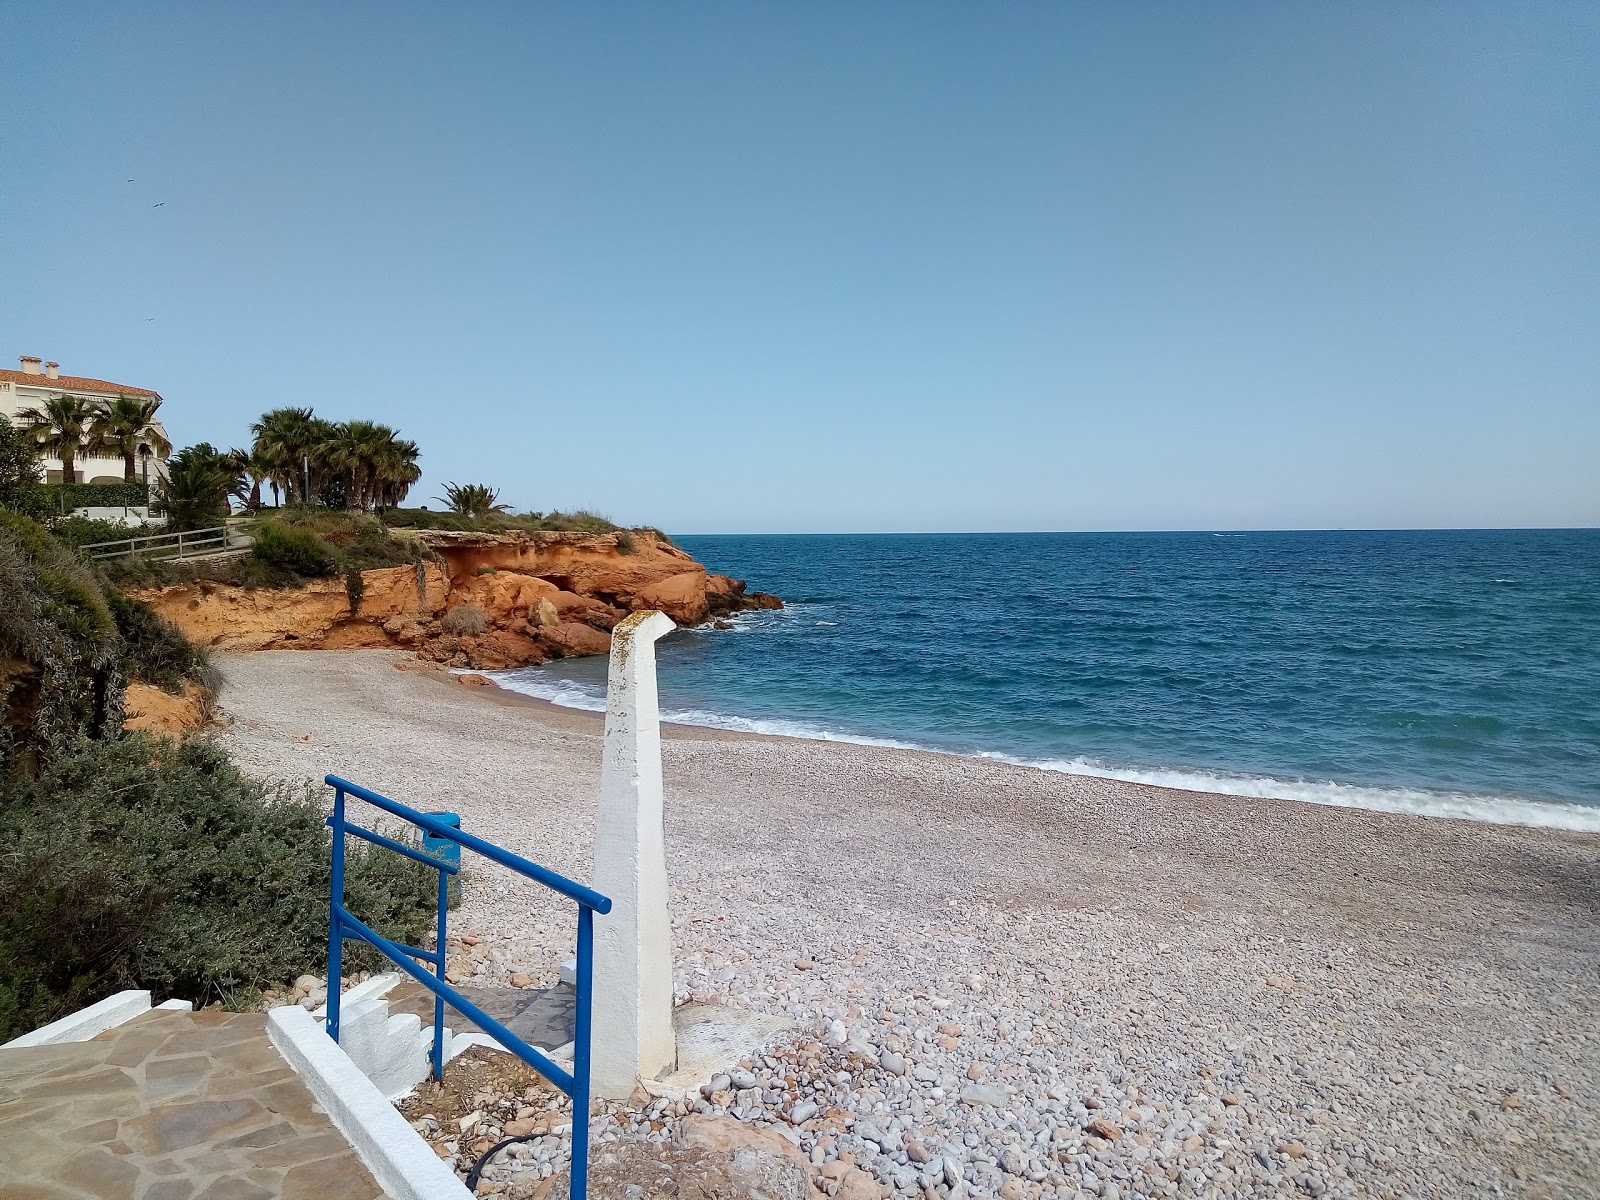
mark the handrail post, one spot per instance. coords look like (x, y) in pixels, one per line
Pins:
(335, 925)
(580, 1054)
(438, 970)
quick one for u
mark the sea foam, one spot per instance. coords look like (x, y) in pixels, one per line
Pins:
(1460, 806)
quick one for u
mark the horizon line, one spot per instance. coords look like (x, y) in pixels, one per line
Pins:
(1120, 532)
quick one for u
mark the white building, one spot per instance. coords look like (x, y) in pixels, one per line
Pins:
(39, 381)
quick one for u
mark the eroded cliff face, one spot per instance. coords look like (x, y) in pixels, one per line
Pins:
(492, 601)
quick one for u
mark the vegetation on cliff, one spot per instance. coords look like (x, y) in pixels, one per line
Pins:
(130, 861)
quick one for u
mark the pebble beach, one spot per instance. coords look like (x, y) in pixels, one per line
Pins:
(1019, 983)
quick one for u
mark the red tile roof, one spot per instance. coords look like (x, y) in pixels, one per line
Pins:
(73, 383)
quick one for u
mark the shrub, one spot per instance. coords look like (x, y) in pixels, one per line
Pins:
(86, 531)
(297, 550)
(361, 541)
(626, 544)
(140, 863)
(355, 587)
(473, 500)
(58, 622)
(465, 620)
(69, 496)
(21, 468)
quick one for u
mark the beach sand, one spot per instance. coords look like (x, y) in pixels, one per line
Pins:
(1265, 997)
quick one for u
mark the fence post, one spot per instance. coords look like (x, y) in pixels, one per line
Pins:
(633, 960)
(581, 1034)
(440, 938)
(335, 925)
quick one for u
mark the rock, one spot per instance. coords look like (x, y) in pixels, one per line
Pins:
(471, 680)
(682, 597)
(1104, 1127)
(749, 1152)
(916, 1149)
(742, 1080)
(892, 1063)
(569, 639)
(520, 981)
(978, 1093)
(314, 616)
(561, 591)
(802, 1112)
(150, 709)
(502, 650)
(976, 1072)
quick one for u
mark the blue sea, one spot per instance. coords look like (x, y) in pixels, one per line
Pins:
(1453, 673)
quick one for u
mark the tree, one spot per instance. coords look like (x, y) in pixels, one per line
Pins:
(286, 438)
(62, 426)
(20, 467)
(472, 499)
(121, 425)
(263, 469)
(398, 470)
(352, 464)
(200, 482)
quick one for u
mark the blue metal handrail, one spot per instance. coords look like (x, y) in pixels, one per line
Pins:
(344, 926)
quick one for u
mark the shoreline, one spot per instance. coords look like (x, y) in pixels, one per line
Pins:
(1397, 800)
(1265, 992)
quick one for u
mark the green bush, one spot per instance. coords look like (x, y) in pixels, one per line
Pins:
(86, 531)
(362, 542)
(68, 496)
(57, 621)
(141, 863)
(294, 549)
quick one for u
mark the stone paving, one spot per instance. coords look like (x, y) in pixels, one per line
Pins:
(542, 1017)
(169, 1106)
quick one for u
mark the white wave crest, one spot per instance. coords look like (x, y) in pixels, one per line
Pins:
(1459, 806)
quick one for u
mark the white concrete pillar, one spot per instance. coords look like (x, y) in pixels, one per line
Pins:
(633, 1037)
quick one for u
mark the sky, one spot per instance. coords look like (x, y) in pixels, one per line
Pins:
(810, 267)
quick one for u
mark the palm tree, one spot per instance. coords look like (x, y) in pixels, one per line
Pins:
(199, 483)
(286, 438)
(263, 468)
(62, 426)
(397, 470)
(254, 474)
(122, 424)
(472, 499)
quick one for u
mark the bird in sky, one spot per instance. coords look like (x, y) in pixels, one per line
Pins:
(149, 318)
(161, 204)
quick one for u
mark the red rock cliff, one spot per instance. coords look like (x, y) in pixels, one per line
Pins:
(492, 601)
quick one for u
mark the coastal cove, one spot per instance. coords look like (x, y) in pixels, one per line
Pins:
(1444, 673)
(1295, 987)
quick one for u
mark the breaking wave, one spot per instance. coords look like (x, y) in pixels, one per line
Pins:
(1461, 806)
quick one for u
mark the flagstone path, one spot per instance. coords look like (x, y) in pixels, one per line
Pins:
(169, 1106)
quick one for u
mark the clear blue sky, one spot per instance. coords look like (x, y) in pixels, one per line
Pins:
(810, 267)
